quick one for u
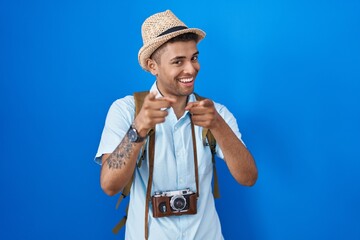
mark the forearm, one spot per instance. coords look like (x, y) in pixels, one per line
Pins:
(118, 167)
(238, 159)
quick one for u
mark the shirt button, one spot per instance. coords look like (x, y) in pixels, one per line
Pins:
(181, 180)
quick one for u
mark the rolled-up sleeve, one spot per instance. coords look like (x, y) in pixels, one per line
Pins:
(117, 123)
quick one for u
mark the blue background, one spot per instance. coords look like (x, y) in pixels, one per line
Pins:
(288, 70)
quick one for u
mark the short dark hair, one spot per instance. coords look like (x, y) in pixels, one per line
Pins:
(185, 37)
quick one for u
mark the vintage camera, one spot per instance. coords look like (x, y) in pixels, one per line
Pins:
(172, 203)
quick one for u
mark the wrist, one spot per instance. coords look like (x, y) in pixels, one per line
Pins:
(134, 135)
(218, 124)
(143, 132)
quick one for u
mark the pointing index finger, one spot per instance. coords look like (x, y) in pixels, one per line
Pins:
(206, 103)
(191, 105)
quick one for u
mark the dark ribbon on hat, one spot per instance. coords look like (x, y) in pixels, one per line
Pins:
(173, 29)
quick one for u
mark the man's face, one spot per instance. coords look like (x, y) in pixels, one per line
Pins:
(177, 69)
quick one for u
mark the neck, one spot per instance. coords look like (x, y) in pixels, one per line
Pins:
(179, 106)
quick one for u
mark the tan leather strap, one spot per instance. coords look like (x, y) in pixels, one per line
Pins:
(150, 179)
(212, 145)
(118, 226)
(142, 157)
(204, 136)
(125, 192)
(211, 141)
(139, 99)
(121, 223)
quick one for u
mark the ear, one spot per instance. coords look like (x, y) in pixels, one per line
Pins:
(152, 66)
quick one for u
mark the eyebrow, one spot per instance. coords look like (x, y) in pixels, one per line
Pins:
(182, 57)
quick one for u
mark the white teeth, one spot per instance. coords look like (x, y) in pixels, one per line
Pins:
(186, 80)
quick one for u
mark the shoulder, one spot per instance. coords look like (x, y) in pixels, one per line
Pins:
(218, 106)
(126, 102)
(224, 112)
(122, 108)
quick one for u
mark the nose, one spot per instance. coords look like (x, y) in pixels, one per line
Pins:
(191, 67)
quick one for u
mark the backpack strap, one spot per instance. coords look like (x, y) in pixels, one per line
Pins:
(121, 223)
(211, 142)
(139, 99)
(125, 192)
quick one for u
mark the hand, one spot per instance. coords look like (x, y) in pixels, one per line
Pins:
(153, 111)
(203, 113)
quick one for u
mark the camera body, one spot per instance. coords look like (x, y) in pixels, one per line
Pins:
(172, 203)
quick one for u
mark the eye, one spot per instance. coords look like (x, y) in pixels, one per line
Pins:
(195, 58)
(176, 62)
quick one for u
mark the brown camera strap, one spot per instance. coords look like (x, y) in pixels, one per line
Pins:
(195, 159)
(151, 171)
(150, 179)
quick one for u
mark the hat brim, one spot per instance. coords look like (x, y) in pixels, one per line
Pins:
(147, 50)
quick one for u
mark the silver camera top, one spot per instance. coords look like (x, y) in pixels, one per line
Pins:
(173, 193)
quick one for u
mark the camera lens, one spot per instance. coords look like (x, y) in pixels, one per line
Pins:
(178, 203)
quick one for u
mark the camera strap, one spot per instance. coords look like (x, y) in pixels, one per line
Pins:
(151, 171)
(195, 158)
(150, 179)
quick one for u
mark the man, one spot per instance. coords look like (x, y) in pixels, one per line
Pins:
(170, 54)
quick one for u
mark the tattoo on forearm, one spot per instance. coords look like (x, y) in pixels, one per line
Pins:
(119, 157)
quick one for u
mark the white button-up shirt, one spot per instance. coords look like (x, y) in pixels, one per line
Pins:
(173, 170)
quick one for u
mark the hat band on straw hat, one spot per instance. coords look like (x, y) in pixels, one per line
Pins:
(173, 29)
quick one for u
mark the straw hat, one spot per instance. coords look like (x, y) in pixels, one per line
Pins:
(158, 29)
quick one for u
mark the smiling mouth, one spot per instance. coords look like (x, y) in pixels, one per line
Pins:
(186, 80)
